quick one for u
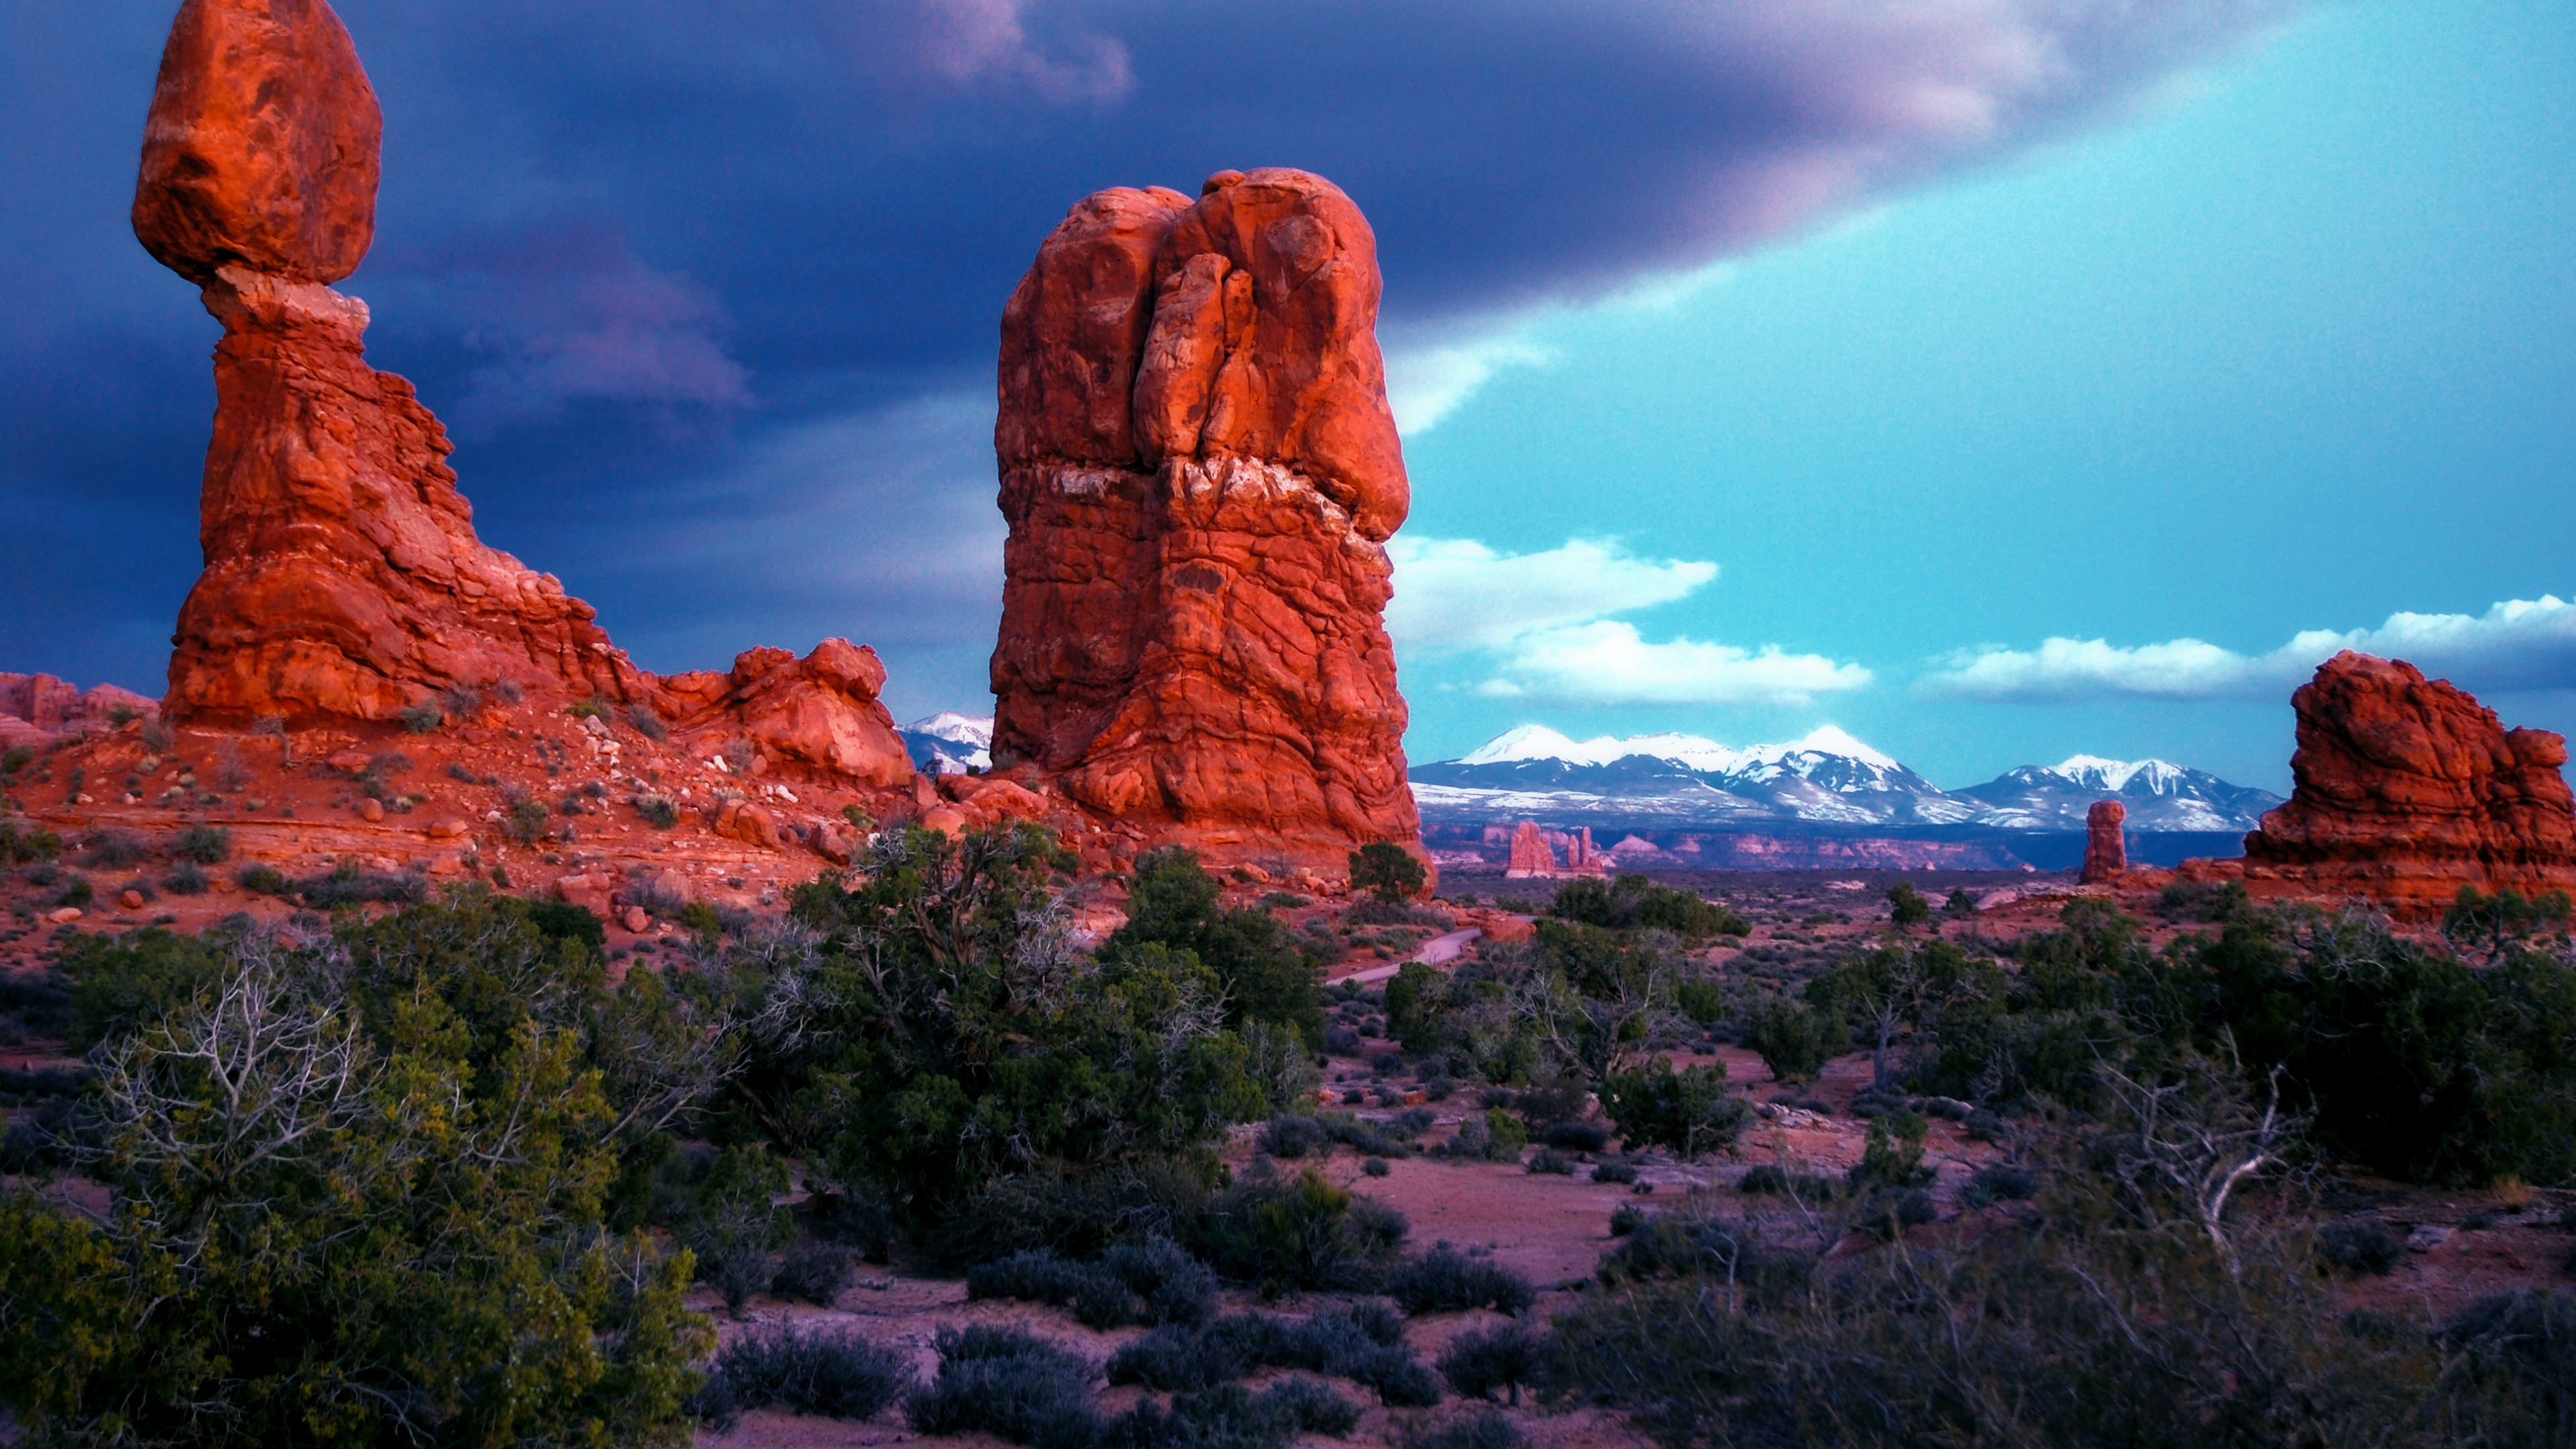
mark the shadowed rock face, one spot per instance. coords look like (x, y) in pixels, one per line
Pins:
(1199, 471)
(343, 576)
(2407, 788)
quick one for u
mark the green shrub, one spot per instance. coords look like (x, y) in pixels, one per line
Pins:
(421, 718)
(1633, 902)
(813, 1273)
(1906, 906)
(835, 1374)
(205, 844)
(1008, 1383)
(659, 811)
(1387, 871)
(1478, 1362)
(1445, 1280)
(1689, 1112)
(1794, 1039)
(19, 847)
(641, 718)
(528, 821)
(1484, 1429)
(390, 1201)
(264, 880)
(564, 921)
(1174, 904)
(1302, 1233)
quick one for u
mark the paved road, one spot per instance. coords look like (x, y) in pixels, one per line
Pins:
(1438, 951)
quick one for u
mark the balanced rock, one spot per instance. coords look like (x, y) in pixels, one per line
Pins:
(1199, 472)
(2407, 789)
(2106, 852)
(343, 577)
(261, 147)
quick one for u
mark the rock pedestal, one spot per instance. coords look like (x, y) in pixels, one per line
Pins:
(343, 577)
(2106, 851)
(2407, 789)
(1200, 472)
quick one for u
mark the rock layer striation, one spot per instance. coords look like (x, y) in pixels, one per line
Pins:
(343, 577)
(1200, 472)
(2408, 788)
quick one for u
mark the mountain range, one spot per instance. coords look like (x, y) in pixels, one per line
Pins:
(1827, 779)
(949, 743)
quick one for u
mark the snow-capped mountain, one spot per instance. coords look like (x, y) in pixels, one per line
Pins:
(2159, 795)
(949, 743)
(1827, 778)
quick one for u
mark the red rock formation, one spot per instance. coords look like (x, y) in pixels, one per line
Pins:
(1199, 470)
(2106, 852)
(343, 576)
(2408, 788)
(1532, 857)
(261, 147)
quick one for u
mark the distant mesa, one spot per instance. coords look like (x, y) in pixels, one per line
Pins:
(2408, 788)
(1199, 472)
(343, 579)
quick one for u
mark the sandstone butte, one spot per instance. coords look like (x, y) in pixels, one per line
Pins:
(343, 579)
(2406, 789)
(2106, 851)
(1200, 473)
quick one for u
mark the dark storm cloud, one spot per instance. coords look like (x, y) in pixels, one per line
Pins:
(632, 251)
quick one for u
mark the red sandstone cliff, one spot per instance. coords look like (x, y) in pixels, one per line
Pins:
(2407, 788)
(1199, 472)
(343, 576)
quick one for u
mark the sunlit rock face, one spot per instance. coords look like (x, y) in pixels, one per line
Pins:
(2407, 789)
(1200, 473)
(343, 578)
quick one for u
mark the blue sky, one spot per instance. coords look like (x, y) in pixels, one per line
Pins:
(1764, 363)
(2292, 351)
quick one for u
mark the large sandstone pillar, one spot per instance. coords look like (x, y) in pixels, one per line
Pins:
(1200, 473)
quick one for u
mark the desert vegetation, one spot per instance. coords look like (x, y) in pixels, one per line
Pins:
(419, 1171)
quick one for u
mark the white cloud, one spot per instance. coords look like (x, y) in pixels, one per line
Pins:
(1457, 593)
(2520, 644)
(1610, 663)
(1425, 383)
(1541, 623)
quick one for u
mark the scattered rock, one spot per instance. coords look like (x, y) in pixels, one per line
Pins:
(1199, 472)
(2427, 1237)
(371, 810)
(447, 830)
(2106, 849)
(131, 900)
(63, 915)
(635, 920)
(741, 820)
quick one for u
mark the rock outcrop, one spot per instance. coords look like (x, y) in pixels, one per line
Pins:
(2407, 788)
(343, 577)
(1532, 857)
(1199, 471)
(2106, 850)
